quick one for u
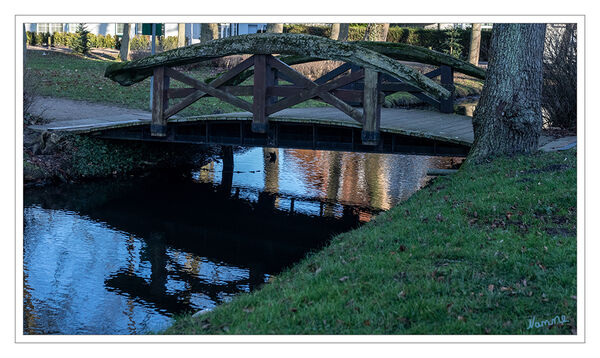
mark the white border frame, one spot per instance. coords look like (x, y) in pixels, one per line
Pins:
(579, 338)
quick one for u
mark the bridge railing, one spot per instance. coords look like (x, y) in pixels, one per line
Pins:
(343, 88)
(266, 92)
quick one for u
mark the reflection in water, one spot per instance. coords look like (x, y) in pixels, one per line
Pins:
(122, 256)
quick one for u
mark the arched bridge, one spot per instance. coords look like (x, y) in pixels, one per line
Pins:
(355, 91)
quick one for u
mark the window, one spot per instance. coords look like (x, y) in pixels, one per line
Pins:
(56, 28)
(43, 28)
(119, 30)
(53, 27)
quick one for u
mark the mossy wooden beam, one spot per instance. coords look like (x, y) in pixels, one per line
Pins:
(128, 73)
(405, 52)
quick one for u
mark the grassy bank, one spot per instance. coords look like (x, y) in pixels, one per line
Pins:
(479, 252)
(75, 157)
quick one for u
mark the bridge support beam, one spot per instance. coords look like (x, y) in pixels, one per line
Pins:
(264, 78)
(227, 172)
(160, 102)
(371, 108)
(447, 81)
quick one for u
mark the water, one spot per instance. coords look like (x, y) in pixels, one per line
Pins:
(122, 256)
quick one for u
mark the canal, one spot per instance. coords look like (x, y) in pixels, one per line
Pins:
(124, 255)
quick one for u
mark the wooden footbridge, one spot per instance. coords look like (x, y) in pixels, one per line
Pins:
(355, 91)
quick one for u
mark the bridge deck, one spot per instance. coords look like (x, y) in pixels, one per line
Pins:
(442, 127)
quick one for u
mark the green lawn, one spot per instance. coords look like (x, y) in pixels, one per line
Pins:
(478, 252)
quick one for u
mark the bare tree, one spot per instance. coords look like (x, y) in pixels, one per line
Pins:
(343, 35)
(275, 28)
(376, 32)
(124, 51)
(180, 35)
(209, 32)
(335, 31)
(508, 118)
(559, 94)
(475, 44)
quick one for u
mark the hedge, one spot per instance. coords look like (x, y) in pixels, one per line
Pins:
(137, 43)
(429, 38)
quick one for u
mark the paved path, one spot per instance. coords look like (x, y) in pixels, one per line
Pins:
(61, 109)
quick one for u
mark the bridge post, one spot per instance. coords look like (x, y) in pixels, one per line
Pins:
(263, 78)
(371, 108)
(160, 101)
(447, 81)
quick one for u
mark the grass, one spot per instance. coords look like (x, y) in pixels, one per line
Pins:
(80, 78)
(478, 252)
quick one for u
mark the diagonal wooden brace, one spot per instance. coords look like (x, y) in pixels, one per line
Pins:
(313, 90)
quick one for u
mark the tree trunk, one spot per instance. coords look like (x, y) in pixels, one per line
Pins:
(275, 28)
(376, 32)
(209, 32)
(335, 31)
(180, 35)
(24, 46)
(508, 118)
(343, 35)
(475, 44)
(124, 51)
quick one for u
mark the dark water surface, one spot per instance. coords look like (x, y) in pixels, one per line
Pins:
(122, 256)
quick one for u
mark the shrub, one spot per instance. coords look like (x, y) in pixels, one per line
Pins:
(43, 38)
(559, 92)
(433, 39)
(80, 43)
(60, 38)
(452, 45)
(30, 91)
(93, 40)
(39, 38)
(109, 41)
(31, 38)
(317, 30)
(167, 43)
(139, 43)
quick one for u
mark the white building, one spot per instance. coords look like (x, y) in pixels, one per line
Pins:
(192, 31)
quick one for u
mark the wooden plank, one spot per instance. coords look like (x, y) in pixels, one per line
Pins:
(218, 82)
(312, 91)
(345, 95)
(333, 73)
(442, 127)
(371, 108)
(188, 100)
(201, 86)
(160, 101)
(260, 122)
(236, 70)
(434, 73)
(447, 80)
